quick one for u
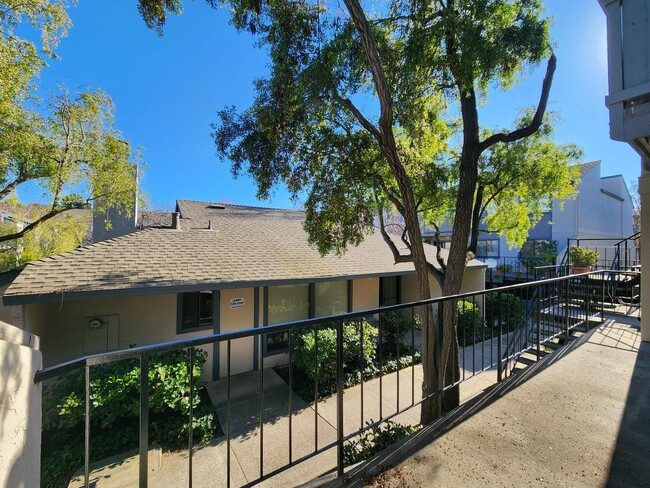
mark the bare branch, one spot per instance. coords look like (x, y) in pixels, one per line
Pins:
(365, 123)
(537, 118)
(50, 215)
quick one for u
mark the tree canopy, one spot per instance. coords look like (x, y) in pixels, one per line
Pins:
(65, 145)
(366, 106)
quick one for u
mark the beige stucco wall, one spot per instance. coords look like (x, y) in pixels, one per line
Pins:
(365, 294)
(233, 319)
(473, 280)
(144, 320)
(139, 321)
(5, 310)
(20, 408)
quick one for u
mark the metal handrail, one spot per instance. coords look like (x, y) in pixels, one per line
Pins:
(547, 291)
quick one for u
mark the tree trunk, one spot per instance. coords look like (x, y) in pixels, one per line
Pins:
(457, 259)
(388, 147)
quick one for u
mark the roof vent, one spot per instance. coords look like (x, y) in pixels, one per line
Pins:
(176, 220)
(216, 206)
(210, 225)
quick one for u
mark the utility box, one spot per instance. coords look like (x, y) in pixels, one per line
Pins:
(628, 52)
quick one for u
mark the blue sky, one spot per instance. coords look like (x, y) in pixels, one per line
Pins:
(168, 89)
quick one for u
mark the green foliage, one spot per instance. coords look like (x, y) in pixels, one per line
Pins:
(315, 355)
(395, 327)
(303, 130)
(503, 306)
(583, 258)
(67, 145)
(154, 12)
(374, 440)
(59, 235)
(470, 323)
(520, 180)
(114, 410)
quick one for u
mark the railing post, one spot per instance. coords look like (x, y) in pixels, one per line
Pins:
(144, 421)
(540, 291)
(602, 303)
(438, 357)
(566, 310)
(87, 429)
(500, 343)
(339, 398)
(190, 428)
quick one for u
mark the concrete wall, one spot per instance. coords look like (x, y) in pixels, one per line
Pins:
(20, 408)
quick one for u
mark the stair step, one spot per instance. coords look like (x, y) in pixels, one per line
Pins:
(526, 361)
(552, 345)
(564, 337)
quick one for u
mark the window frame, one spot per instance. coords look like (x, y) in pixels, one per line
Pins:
(181, 329)
(312, 312)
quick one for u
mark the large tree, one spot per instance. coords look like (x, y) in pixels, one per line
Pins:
(66, 145)
(364, 108)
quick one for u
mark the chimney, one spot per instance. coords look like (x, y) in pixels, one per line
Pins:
(120, 223)
(176, 220)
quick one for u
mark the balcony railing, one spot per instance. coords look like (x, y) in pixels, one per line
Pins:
(512, 321)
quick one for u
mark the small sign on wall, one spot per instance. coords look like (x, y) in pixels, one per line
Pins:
(236, 303)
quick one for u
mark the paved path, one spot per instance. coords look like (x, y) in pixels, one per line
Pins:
(580, 418)
(210, 461)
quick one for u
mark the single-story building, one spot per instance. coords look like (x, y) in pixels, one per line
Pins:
(216, 268)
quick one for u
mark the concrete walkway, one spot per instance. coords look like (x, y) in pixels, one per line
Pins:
(380, 399)
(579, 418)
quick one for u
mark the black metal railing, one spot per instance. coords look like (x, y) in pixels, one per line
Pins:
(613, 253)
(495, 327)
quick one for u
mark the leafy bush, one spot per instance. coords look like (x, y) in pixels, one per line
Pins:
(395, 326)
(114, 412)
(308, 366)
(505, 306)
(583, 258)
(470, 323)
(374, 440)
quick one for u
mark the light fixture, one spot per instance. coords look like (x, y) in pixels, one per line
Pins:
(95, 323)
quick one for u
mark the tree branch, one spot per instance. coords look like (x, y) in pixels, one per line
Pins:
(365, 123)
(51, 214)
(537, 118)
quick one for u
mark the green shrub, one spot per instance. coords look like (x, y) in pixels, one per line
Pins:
(470, 323)
(583, 258)
(505, 306)
(374, 440)
(395, 327)
(307, 366)
(114, 412)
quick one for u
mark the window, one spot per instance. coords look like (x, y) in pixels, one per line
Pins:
(390, 290)
(196, 309)
(331, 298)
(488, 248)
(286, 303)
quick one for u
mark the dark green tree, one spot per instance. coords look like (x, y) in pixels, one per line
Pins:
(362, 111)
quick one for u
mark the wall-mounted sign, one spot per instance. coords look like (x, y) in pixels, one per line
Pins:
(236, 303)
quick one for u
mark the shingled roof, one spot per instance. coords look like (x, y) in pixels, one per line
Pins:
(248, 246)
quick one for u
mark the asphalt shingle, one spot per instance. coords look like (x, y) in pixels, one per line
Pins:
(247, 245)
